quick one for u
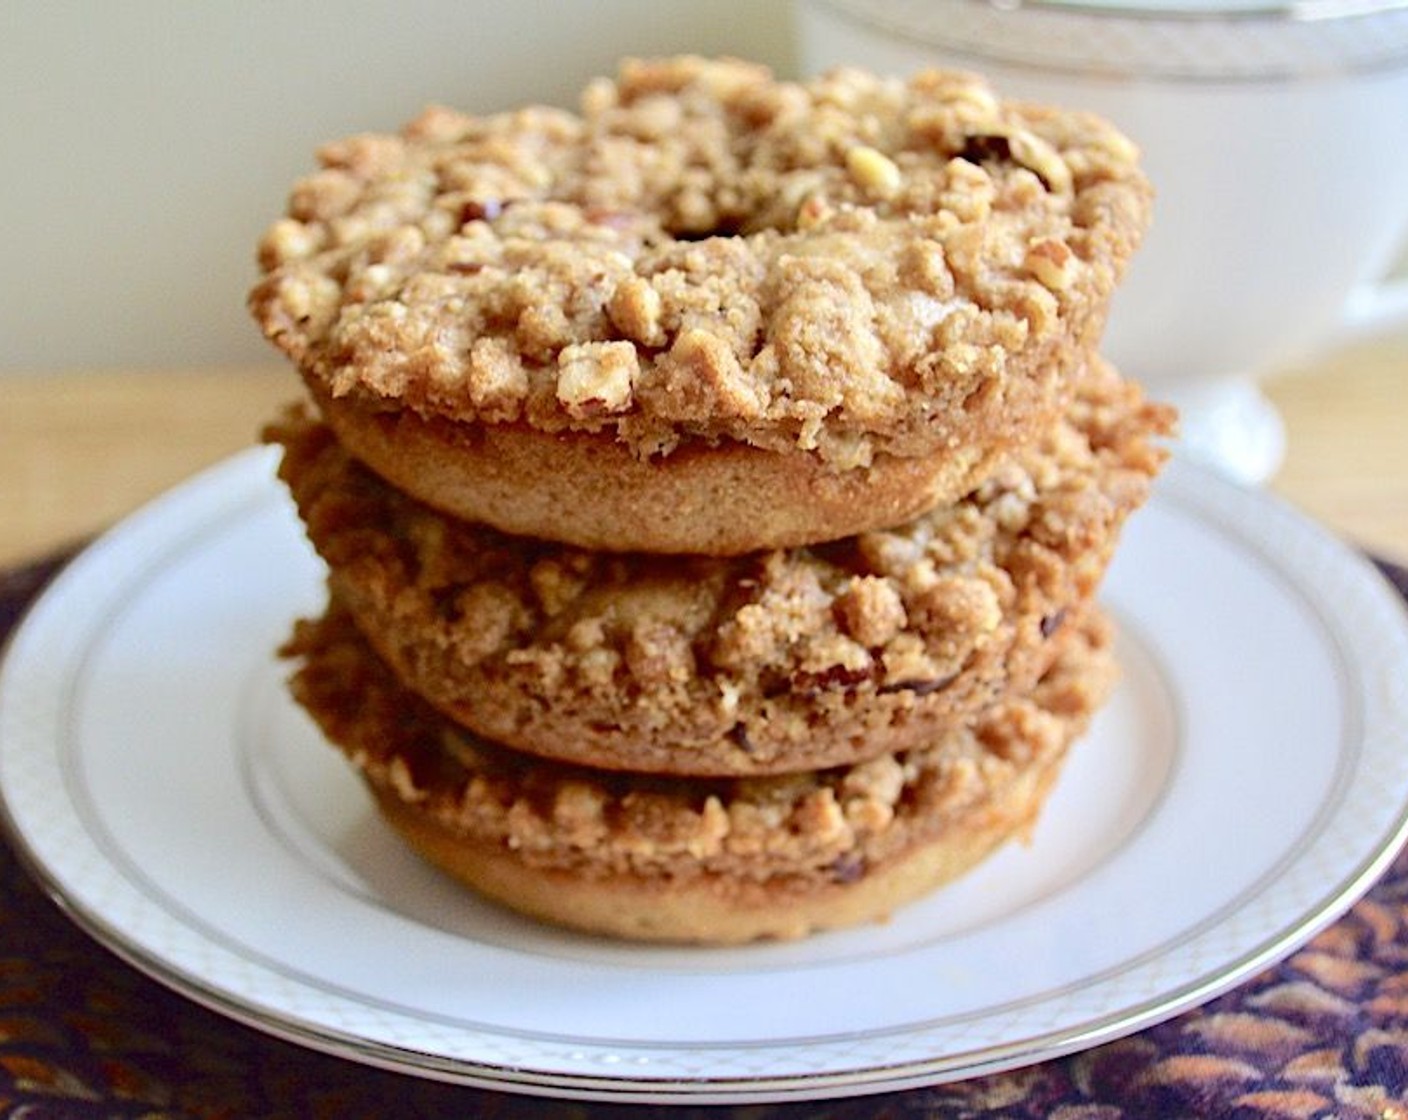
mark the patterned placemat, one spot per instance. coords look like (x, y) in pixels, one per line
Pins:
(1323, 1034)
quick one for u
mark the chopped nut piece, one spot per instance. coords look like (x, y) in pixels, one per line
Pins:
(874, 171)
(305, 301)
(286, 240)
(1002, 143)
(635, 307)
(1051, 262)
(1116, 145)
(712, 828)
(1032, 152)
(596, 377)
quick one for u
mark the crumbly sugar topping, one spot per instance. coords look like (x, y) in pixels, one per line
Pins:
(691, 650)
(703, 252)
(819, 826)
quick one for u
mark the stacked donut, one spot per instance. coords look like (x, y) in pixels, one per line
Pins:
(714, 484)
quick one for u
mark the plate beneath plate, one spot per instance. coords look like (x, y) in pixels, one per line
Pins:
(1246, 784)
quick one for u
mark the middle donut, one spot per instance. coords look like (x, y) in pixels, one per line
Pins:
(773, 662)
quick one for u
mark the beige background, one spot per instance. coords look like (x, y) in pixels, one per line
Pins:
(145, 144)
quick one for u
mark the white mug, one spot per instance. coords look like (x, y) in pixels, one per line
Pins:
(1277, 141)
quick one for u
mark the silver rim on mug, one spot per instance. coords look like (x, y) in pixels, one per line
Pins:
(1185, 42)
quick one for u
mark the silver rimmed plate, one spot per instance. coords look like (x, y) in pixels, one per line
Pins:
(1247, 783)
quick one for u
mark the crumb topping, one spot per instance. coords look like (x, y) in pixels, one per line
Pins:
(744, 664)
(847, 265)
(820, 826)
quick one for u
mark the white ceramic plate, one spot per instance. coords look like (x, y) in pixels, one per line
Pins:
(1244, 787)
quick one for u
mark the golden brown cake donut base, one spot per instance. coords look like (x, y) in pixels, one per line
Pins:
(590, 491)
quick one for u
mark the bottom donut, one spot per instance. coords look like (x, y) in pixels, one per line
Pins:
(690, 860)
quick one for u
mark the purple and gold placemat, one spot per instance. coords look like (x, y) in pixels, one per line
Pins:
(1323, 1034)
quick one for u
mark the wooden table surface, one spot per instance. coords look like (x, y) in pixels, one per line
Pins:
(79, 450)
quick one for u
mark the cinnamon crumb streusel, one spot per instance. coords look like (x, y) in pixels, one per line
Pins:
(776, 661)
(727, 859)
(850, 266)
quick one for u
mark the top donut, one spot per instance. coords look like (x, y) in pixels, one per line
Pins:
(854, 268)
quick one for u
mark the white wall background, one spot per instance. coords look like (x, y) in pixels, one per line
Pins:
(144, 145)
